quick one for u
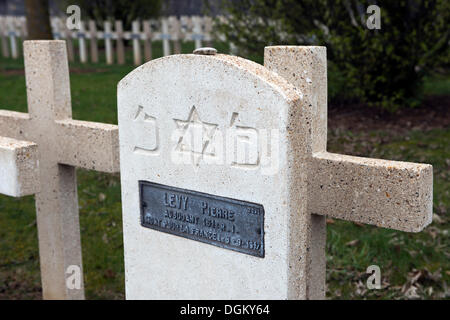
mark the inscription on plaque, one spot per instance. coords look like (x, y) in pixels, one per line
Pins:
(223, 222)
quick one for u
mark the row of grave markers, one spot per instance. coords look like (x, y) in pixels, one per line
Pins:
(270, 244)
(172, 31)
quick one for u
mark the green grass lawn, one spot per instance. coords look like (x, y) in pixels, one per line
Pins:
(412, 265)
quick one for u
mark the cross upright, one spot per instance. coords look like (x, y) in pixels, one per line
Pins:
(63, 144)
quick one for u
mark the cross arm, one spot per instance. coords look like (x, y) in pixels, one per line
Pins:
(390, 194)
(89, 145)
(18, 167)
(12, 123)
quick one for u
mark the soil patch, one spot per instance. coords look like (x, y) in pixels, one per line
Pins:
(433, 113)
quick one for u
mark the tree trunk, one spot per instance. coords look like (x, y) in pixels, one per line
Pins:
(38, 20)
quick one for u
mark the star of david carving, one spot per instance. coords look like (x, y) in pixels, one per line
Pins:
(195, 136)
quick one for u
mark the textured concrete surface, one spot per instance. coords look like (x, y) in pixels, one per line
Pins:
(63, 143)
(18, 167)
(390, 194)
(89, 145)
(306, 69)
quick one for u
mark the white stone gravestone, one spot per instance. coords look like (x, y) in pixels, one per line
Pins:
(226, 178)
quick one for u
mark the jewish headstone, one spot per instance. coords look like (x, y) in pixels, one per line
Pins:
(226, 180)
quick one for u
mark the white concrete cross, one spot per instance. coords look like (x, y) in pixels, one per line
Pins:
(261, 181)
(63, 144)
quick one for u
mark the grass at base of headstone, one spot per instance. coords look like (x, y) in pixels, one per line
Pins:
(412, 265)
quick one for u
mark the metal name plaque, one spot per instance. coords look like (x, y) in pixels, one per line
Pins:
(223, 222)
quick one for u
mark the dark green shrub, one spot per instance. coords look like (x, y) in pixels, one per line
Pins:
(383, 67)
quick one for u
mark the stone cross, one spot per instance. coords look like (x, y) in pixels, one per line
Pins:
(226, 181)
(63, 144)
(81, 35)
(108, 36)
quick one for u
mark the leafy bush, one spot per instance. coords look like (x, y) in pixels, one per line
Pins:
(384, 67)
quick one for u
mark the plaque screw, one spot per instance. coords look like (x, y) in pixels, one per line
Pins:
(207, 51)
